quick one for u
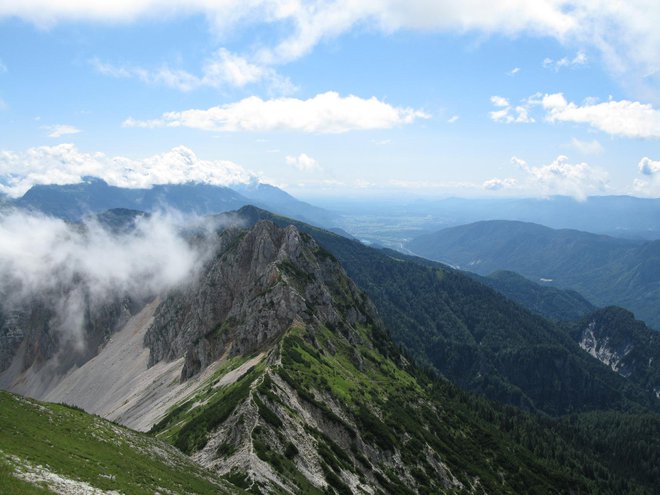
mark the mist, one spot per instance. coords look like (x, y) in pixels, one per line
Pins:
(73, 268)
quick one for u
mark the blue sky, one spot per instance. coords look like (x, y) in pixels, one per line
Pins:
(342, 97)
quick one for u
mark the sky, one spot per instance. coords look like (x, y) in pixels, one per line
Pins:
(359, 98)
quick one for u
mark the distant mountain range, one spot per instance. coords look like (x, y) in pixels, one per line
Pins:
(394, 221)
(93, 195)
(618, 216)
(605, 270)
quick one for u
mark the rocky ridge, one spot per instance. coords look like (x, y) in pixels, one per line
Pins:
(272, 369)
(259, 282)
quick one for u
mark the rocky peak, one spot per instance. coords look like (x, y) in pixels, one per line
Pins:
(256, 284)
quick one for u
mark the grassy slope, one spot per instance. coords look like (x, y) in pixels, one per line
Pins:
(85, 448)
(380, 407)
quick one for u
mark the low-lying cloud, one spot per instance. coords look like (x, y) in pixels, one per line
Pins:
(66, 164)
(649, 185)
(577, 180)
(72, 268)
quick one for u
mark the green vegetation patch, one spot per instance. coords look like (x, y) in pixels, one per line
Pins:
(86, 448)
(188, 427)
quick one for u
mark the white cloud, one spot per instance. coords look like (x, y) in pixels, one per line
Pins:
(556, 178)
(650, 184)
(649, 167)
(560, 177)
(313, 21)
(496, 184)
(65, 164)
(587, 147)
(507, 113)
(303, 162)
(625, 33)
(513, 71)
(324, 113)
(220, 70)
(60, 130)
(453, 119)
(619, 118)
(73, 268)
(578, 60)
(499, 101)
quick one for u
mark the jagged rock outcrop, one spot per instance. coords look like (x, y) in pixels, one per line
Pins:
(626, 345)
(255, 286)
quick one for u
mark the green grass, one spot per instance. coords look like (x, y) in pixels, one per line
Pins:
(86, 448)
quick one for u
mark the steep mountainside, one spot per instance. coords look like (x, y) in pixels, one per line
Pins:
(273, 370)
(472, 335)
(47, 448)
(313, 396)
(628, 346)
(606, 270)
(551, 302)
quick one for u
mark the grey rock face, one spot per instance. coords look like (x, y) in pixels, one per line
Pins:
(43, 332)
(627, 346)
(256, 285)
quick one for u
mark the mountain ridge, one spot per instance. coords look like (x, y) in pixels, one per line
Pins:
(603, 269)
(319, 398)
(93, 195)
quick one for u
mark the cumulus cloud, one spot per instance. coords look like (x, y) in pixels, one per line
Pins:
(649, 167)
(72, 268)
(303, 162)
(621, 118)
(65, 164)
(560, 177)
(324, 113)
(650, 184)
(578, 60)
(509, 114)
(60, 130)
